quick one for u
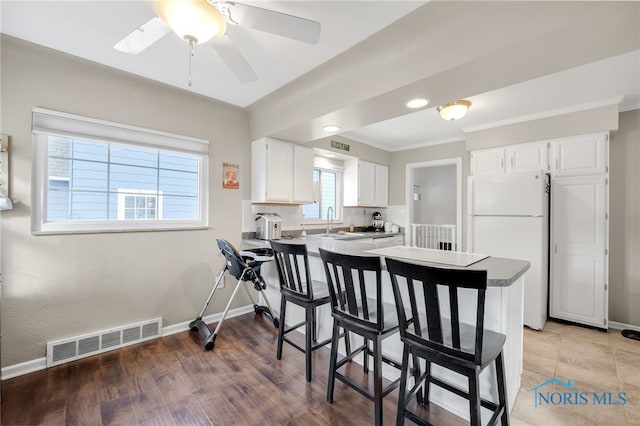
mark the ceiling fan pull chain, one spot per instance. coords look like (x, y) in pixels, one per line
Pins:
(191, 53)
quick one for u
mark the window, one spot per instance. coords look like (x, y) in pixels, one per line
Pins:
(94, 176)
(326, 189)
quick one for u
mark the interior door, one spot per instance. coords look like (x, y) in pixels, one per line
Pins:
(578, 251)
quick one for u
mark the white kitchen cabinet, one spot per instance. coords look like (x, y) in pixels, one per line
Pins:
(381, 186)
(523, 157)
(302, 174)
(281, 172)
(527, 157)
(487, 161)
(365, 184)
(580, 155)
(578, 287)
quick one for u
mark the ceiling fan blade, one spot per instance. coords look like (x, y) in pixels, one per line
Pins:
(143, 36)
(274, 22)
(234, 59)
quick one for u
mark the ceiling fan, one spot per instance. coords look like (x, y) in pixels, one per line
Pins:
(198, 21)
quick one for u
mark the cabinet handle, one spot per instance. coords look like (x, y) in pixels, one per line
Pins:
(512, 162)
(555, 248)
(557, 168)
(502, 163)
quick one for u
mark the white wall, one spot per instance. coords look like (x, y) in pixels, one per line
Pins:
(437, 194)
(56, 286)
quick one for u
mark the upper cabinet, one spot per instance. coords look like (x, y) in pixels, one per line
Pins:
(572, 156)
(365, 184)
(580, 155)
(281, 172)
(510, 159)
(527, 157)
(487, 161)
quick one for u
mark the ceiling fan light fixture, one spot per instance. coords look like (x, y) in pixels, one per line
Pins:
(196, 21)
(454, 110)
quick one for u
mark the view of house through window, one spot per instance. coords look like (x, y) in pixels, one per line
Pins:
(326, 191)
(91, 180)
(97, 176)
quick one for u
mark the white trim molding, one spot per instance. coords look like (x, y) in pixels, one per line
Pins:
(622, 326)
(15, 370)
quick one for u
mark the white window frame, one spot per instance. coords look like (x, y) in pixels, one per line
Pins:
(47, 123)
(124, 193)
(339, 213)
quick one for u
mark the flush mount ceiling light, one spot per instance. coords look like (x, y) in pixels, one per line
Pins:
(454, 110)
(331, 128)
(417, 103)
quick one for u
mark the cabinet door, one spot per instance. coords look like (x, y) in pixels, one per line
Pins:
(381, 196)
(366, 183)
(487, 162)
(580, 155)
(527, 157)
(279, 170)
(302, 174)
(578, 257)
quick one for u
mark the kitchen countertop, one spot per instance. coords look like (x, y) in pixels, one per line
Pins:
(501, 272)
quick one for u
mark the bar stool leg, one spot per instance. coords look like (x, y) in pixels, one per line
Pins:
(402, 390)
(308, 337)
(377, 378)
(474, 396)
(283, 314)
(333, 360)
(502, 392)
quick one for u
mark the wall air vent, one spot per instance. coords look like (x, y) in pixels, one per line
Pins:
(73, 348)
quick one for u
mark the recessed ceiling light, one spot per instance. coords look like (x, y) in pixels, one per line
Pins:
(417, 103)
(331, 128)
(330, 155)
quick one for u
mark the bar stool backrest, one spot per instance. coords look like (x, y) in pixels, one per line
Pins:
(292, 264)
(420, 316)
(350, 294)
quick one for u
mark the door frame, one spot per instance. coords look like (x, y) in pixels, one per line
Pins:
(409, 176)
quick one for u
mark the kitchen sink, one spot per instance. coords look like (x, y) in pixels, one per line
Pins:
(342, 235)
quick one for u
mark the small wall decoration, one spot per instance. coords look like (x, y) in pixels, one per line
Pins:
(230, 176)
(340, 145)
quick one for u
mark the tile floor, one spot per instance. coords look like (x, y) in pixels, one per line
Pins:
(594, 361)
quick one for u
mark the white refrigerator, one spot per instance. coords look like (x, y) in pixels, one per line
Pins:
(508, 217)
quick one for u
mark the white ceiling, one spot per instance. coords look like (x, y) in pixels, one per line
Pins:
(89, 29)
(611, 81)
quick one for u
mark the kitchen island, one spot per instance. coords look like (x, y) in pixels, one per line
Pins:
(503, 312)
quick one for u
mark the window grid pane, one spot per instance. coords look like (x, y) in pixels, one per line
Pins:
(91, 180)
(326, 194)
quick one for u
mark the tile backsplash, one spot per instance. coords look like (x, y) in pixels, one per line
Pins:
(292, 216)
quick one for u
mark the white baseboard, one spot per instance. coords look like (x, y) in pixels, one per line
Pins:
(209, 319)
(15, 370)
(11, 371)
(623, 326)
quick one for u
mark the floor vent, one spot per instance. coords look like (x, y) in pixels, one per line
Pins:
(71, 349)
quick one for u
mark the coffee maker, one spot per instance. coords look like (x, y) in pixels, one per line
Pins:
(378, 222)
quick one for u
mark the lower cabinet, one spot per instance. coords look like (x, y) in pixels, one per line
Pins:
(579, 250)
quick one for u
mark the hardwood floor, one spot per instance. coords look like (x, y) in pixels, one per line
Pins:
(173, 381)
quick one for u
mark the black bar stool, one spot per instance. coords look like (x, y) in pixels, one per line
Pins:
(357, 307)
(297, 287)
(452, 344)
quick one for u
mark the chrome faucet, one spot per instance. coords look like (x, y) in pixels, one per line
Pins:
(329, 219)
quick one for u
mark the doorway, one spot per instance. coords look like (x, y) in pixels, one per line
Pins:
(434, 203)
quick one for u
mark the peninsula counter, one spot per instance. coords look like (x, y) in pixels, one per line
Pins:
(503, 313)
